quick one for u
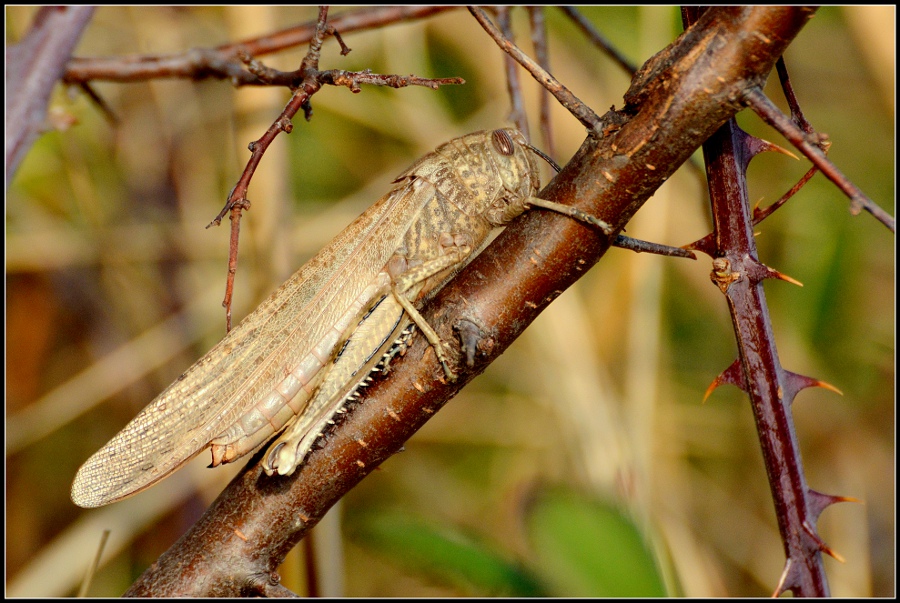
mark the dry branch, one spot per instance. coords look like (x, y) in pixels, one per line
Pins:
(223, 62)
(34, 65)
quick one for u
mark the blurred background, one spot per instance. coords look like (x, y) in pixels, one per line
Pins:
(584, 461)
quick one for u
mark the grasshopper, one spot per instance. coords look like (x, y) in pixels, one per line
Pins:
(298, 359)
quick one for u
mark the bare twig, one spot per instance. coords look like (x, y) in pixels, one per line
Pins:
(770, 113)
(332, 31)
(761, 214)
(798, 118)
(639, 246)
(101, 103)
(304, 82)
(95, 563)
(349, 79)
(34, 65)
(599, 39)
(222, 62)
(788, 88)
(517, 112)
(581, 111)
(237, 200)
(818, 139)
(539, 40)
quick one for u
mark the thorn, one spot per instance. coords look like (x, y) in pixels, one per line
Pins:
(796, 382)
(757, 272)
(772, 273)
(820, 544)
(733, 375)
(759, 145)
(819, 501)
(705, 245)
(786, 580)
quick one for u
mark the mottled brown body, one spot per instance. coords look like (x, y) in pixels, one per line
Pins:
(295, 360)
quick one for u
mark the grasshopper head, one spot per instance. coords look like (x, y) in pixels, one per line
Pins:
(490, 174)
(518, 172)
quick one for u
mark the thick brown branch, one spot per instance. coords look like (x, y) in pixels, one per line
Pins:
(502, 291)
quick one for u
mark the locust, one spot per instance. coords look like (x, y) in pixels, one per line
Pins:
(294, 364)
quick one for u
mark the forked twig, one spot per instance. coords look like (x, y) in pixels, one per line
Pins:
(773, 116)
(304, 82)
(797, 116)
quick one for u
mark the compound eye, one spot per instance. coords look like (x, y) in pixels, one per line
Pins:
(503, 142)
